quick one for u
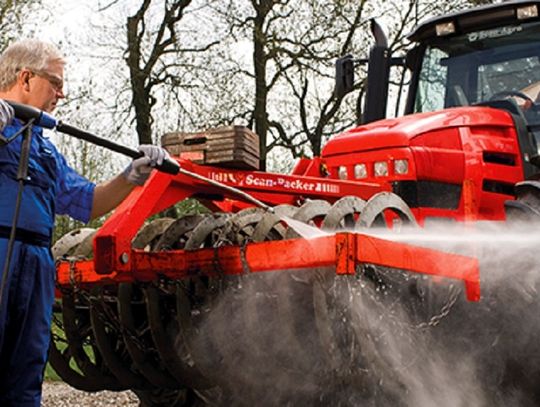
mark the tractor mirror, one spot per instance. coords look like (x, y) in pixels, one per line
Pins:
(344, 76)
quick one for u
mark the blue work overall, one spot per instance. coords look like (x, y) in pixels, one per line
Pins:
(25, 314)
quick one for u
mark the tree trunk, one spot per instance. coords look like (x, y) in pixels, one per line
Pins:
(260, 115)
(141, 97)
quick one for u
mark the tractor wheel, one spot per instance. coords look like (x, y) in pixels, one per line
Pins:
(526, 208)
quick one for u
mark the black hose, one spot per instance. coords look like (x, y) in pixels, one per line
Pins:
(22, 176)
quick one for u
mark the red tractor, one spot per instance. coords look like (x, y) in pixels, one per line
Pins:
(231, 307)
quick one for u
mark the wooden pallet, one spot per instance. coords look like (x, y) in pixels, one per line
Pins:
(227, 146)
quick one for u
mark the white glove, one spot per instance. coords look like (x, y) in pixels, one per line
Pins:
(138, 171)
(6, 114)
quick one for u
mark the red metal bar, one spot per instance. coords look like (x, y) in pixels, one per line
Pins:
(112, 244)
(344, 251)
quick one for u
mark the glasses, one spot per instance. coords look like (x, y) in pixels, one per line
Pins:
(55, 80)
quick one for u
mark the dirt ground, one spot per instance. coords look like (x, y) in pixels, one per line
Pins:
(59, 394)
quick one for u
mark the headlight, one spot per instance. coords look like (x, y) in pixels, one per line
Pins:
(401, 167)
(381, 169)
(445, 28)
(342, 172)
(360, 171)
(523, 13)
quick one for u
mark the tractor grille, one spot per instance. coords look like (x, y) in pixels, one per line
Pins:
(498, 187)
(428, 194)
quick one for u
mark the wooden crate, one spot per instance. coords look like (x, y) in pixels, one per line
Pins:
(227, 146)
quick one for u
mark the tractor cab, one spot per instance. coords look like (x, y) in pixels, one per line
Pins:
(471, 129)
(485, 57)
(478, 67)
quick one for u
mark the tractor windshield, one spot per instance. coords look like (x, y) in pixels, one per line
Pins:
(481, 66)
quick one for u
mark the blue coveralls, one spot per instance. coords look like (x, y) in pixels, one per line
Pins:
(26, 311)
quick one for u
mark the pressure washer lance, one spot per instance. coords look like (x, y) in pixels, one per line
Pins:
(26, 113)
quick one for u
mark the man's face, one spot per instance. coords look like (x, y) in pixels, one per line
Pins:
(46, 87)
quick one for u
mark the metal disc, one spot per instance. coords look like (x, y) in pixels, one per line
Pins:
(269, 227)
(137, 338)
(79, 334)
(308, 213)
(67, 243)
(164, 328)
(85, 248)
(207, 232)
(177, 233)
(60, 358)
(192, 303)
(241, 225)
(150, 232)
(343, 214)
(108, 335)
(373, 213)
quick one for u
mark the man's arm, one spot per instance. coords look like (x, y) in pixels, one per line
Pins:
(109, 194)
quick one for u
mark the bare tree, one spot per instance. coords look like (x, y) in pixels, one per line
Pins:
(142, 64)
(294, 48)
(290, 41)
(307, 60)
(12, 14)
(146, 56)
(284, 91)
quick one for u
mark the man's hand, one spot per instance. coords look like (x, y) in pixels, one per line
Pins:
(139, 169)
(6, 114)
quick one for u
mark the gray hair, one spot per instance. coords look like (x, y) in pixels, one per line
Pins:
(32, 54)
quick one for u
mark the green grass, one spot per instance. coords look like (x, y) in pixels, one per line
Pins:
(50, 374)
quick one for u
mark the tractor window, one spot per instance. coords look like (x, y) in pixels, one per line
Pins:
(507, 76)
(479, 67)
(432, 84)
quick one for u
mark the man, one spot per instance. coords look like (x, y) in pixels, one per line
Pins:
(31, 72)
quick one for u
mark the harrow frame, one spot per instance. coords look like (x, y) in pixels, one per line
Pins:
(116, 261)
(346, 251)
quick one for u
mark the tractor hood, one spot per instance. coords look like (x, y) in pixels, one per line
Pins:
(392, 133)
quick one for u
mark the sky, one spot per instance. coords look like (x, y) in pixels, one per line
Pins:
(67, 16)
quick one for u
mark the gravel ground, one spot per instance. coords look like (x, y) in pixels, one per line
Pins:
(59, 394)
